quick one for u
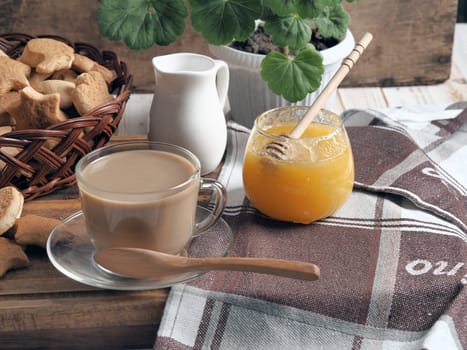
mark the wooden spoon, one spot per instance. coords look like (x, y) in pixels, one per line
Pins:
(279, 149)
(143, 263)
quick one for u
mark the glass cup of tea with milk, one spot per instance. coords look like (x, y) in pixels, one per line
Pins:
(144, 194)
(298, 180)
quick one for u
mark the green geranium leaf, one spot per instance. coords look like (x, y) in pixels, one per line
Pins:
(142, 23)
(333, 22)
(310, 8)
(281, 7)
(169, 20)
(291, 31)
(221, 21)
(293, 78)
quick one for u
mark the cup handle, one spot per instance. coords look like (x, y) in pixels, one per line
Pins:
(220, 198)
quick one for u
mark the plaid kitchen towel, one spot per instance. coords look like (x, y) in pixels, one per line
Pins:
(399, 165)
(392, 259)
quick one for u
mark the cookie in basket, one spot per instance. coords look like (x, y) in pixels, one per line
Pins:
(41, 117)
(44, 96)
(84, 64)
(62, 87)
(13, 74)
(37, 111)
(90, 92)
(47, 55)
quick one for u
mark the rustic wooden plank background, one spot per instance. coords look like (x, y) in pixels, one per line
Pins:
(448, 92)
(76, 20)
(412, 42)
(412, 46)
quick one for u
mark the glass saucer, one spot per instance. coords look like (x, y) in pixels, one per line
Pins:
(72, 253)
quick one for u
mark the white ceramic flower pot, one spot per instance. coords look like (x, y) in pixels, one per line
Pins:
(249, 95)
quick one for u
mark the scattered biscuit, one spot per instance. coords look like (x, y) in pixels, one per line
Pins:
(62, 87)
(12, 256)
(13, 74)
(3, 54)
(47, 55)
(34, 229)
(11, 206)
(91, 91)
(38, 111)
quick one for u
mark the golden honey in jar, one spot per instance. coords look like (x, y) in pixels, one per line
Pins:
(313, 180)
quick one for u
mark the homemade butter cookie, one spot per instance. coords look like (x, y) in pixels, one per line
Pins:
(37, 111)
(84, 64)
(11, 206)
(13, 74)
(33, 230)
(47, 55)
(91, 91)
(12, 256)
(62, 87)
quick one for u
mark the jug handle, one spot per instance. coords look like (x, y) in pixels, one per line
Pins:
(222, 80)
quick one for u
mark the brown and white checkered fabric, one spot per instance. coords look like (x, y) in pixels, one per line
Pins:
(393, 260)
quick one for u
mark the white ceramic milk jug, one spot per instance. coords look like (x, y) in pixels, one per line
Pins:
(187, 107)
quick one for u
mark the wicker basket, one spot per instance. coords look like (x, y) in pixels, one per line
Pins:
(38, 170)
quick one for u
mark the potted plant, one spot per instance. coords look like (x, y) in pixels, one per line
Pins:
(291, 72)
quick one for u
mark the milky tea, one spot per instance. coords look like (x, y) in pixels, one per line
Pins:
(135, 195)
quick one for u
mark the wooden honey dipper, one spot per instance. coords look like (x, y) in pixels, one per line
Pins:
(279, 149)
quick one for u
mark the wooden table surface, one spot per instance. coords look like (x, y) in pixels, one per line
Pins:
(41, 308)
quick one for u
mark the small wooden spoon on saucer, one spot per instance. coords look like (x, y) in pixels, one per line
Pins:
(279, 149)
(143, 263)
